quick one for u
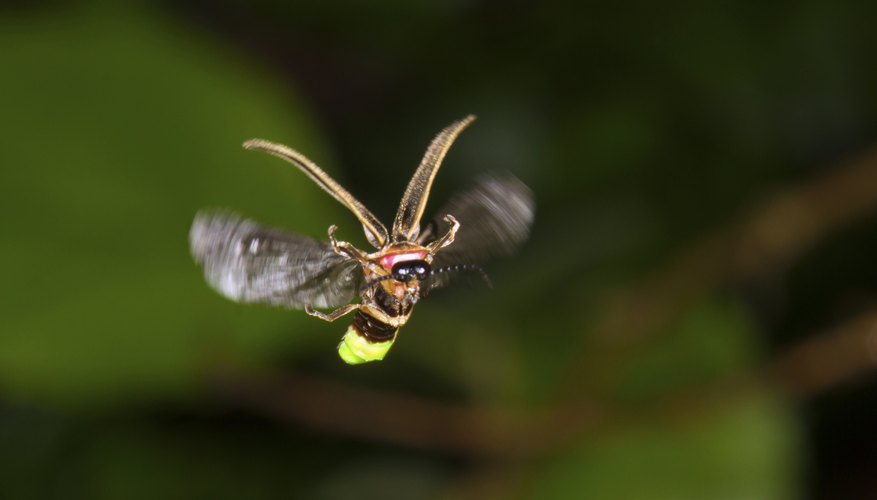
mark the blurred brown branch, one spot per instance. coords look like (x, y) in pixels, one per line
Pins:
(818, 363)
(827, 359)
(822, 361)
(765, 242)
(402, 419)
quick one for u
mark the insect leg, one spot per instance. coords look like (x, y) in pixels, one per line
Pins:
(346, 249)
(332, 316)
(448, 238)
(383, 317)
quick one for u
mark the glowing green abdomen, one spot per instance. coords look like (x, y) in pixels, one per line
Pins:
(356, 349)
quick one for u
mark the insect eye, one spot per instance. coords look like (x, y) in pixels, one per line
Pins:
(406, 271)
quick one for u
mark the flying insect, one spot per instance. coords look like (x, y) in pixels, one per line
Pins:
(251, 263)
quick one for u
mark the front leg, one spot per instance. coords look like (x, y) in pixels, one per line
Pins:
(332, 316)
(383, 317)
(346, 249)
(448, 238)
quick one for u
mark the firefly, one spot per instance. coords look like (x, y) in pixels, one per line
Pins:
(250, 263)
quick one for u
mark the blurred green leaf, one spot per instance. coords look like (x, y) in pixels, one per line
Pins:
(745, 450)
(713, 341)
(118, 128)
(706, 447)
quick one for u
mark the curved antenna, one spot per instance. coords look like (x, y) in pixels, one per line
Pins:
(406, 226)
(375, 232)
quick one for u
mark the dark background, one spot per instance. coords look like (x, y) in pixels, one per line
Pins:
(694, 315)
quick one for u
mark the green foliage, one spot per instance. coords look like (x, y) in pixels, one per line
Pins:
(743, 451)
(119, 127)
(711, 343)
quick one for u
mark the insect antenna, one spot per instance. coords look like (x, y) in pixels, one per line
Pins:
(373, 282)
(464, 267)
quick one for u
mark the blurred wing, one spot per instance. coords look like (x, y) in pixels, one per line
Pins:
(247, 262)
(495, 217)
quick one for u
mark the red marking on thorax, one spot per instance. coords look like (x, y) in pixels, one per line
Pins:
(388, 261)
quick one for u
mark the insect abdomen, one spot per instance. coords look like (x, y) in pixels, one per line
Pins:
(373, 329)
(367, 339)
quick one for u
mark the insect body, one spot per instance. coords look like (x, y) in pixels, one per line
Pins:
(248, 262)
